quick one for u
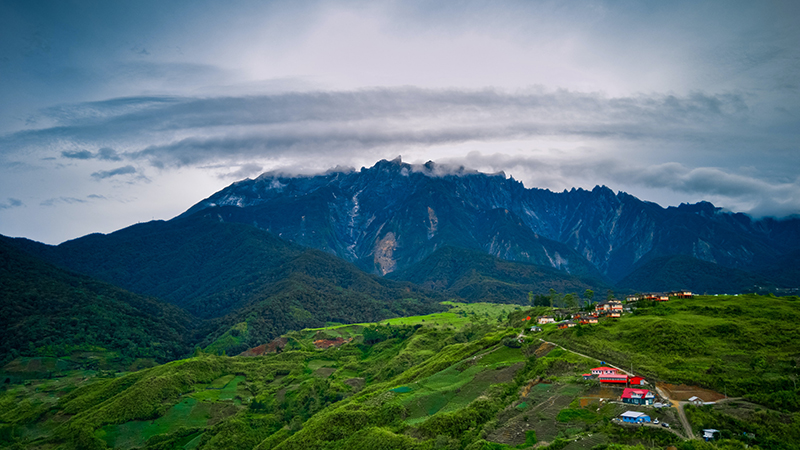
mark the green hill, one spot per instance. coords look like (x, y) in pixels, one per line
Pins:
(461, 380)
(476, 276)
(745, 345)
(47, 311)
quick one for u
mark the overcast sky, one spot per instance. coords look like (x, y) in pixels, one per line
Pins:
(114, 112)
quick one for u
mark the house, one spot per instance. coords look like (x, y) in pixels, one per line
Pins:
(634, 298)
(634, 417)
(616, 378)
(566, 324)
(614, 314)
(546, 319)
(587, 376)
(655, 297)
(636, 381)
(684, 293)
(637, 396)
(611, 305)
(536, 329)
(588, 320)
(604, 370)
(708, 434)
(697, 401)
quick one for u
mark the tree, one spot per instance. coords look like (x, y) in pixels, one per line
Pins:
(588, 295)
(530, 298)
(555, 299)
(570, 301)
(610, 295)
(541, 300)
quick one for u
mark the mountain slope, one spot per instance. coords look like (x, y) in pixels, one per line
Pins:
(684, 272)
(393, 215)
(45, 310)
(242, 280)
(178, 261)
(476, 276)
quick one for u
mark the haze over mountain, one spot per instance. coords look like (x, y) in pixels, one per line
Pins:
(393, 215)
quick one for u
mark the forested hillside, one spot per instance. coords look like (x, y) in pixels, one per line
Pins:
(239, 283)
(48, 311)
(476, 276)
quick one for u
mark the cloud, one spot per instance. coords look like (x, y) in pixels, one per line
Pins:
(11, 203)
(126, 170)
(108, 154)
(640, 137)
(244, 171)
(56, 200)
(403, 115)
(104, 154)
(82, 154)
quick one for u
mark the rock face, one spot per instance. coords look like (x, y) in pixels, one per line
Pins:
(392, 215)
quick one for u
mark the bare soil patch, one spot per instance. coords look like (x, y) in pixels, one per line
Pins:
(683, 392)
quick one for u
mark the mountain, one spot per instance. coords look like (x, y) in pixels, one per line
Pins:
(45, 310)
(239, 279)
(393, 215)
(684, 272)
(477, 276)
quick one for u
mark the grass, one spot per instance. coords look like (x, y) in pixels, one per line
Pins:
(188, 413)
(460, 315)
(459, 384)
(736, 343)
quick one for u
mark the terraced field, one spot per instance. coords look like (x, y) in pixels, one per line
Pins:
(207, 405)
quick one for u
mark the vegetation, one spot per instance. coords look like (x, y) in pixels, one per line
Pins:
(49, 312)
(240, 285)
(666, 272)
(740, 345)
(424, 382)
(475, 276)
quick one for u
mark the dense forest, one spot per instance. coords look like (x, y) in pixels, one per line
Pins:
(47, 311)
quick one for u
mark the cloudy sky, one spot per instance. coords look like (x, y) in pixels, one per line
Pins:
(114, 112)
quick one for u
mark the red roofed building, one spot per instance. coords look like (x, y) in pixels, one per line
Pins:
(613, 378)
(636, 381)
(604, 370)
(638, 396)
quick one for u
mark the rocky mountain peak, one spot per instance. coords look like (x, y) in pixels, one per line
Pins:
(389, 216)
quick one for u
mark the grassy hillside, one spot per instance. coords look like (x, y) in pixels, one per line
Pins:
(476, 276)
(459, 380)
(744, 345)
(47, 311)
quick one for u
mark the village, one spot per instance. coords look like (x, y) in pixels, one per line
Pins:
(611, 308)
(634, 393)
